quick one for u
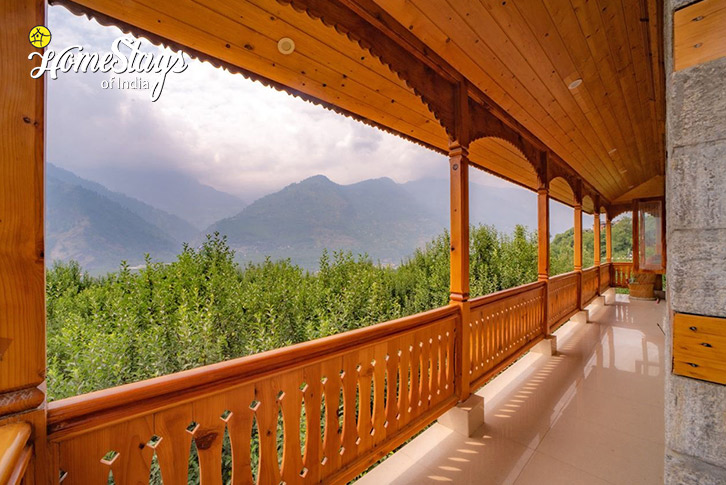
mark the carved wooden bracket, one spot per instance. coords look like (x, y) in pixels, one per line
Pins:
(437, 93)
(484, 124)
(556, 169)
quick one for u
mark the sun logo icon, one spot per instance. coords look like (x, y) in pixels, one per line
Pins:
(39, 36)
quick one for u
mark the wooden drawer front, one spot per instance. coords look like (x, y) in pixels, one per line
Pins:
(699, 347)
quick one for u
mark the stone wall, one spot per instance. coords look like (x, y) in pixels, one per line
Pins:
(695, 411)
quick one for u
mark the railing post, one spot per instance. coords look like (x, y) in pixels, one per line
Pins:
(22, 267)
(543, 240)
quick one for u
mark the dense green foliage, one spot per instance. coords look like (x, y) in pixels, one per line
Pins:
(204, 308)
(562, 253)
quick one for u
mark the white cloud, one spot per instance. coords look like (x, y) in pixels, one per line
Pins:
(228, 132)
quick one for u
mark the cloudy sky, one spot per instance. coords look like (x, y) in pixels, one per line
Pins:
(223, 130)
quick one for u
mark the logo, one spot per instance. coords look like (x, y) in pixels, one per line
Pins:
(125, 57)
(39, 36)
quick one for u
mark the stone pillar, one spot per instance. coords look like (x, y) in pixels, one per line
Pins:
(696, 234)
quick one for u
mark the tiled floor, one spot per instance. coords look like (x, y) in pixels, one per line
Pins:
(591, 415)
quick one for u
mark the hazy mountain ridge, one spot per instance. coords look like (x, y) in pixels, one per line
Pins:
(99, 233)
(377, 217)
(171, 191)
(176, 227)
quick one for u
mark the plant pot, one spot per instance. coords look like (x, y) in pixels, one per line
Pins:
(641, 291)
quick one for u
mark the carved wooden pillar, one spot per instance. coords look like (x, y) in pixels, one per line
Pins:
(578, 237)
(543, 239)
(22, 266)
(608, 239)
(459, 260)
(459, 247)
(578, 248)
(543, 232)
(636, 237)
(596, 236)
(459, 176)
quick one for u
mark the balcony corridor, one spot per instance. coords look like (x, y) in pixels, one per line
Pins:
(591, 415)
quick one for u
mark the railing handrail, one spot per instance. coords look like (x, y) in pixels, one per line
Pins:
(563, 276)
(99, 408)
(14, 452)
(591, 269)
(502, 294)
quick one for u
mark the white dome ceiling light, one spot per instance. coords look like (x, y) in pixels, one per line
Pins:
(286, 46)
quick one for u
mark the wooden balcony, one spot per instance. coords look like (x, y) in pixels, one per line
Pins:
(590, 415)
(543, 117)
(319, 411)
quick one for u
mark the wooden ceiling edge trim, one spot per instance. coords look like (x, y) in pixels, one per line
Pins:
(653, 187)
(106, 20)
(436, 92)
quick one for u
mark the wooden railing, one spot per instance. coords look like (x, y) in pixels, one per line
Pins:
(15, 452)
(502, 326)
(319, 411)
(604, 277)
(620, 274)
(562, 298)
(590, 284)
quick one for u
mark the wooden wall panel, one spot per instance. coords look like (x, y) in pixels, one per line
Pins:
(699, 33)
(22, 270)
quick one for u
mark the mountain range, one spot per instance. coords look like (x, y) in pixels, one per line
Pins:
(99, 227)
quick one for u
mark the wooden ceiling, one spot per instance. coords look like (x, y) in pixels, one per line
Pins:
(522, 55)
(525, 54)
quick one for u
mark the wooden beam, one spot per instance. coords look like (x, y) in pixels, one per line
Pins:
(22, 266)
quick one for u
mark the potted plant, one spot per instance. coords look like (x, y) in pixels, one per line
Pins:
(641, 286)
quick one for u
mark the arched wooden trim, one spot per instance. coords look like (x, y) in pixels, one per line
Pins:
(485, 125)
(588, 203)
(556, 169)
(591, 193)
(437, 93)
(614, 211)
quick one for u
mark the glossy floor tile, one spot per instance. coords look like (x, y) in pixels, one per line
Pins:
(593, 414)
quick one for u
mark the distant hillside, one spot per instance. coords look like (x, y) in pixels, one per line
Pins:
(562, 252)
(378, 217)
(176, 227)
(172, 192)
(99, 233)
(501, 207)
